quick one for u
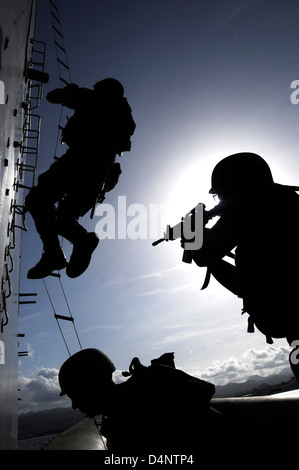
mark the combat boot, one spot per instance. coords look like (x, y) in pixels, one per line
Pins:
(49, 262)
(81, 255)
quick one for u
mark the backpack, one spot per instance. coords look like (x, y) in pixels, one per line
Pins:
(159, 408)
(163, 370)
(125, 128)
(99, 122)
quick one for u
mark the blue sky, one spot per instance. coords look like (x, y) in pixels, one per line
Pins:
(204, 79)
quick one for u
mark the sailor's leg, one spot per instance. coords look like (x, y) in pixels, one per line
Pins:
(226, 274)
(40, 204)
(81, 195)
(42, 211)
(84, 243)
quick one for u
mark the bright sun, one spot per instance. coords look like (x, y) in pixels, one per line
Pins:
(190, 188)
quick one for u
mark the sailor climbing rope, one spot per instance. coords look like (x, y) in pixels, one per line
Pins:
(99, 130)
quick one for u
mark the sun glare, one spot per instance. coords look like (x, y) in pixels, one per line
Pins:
(190, 188)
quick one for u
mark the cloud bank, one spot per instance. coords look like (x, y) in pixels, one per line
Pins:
(264, 362)
(41, 392)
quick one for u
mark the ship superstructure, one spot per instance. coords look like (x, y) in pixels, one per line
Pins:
(21, 82)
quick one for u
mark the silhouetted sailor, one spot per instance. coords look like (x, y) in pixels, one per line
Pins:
(260, 219)
(99, 129)
(157, 408)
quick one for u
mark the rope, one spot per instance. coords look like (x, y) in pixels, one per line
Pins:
(56, 318)
(66, 301)
(61, 58)
(56, 26)
(58, 132)
(98, 426)
(62, 63)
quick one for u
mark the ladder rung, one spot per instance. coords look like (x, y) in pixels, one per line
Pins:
(64, 81)
(62, 63)
(58, 32)
(18, 185)
(27, 294)
(54, 274)
(53, 5)
(54, 16)
(62, 317)
(60, 47)
(39, 64)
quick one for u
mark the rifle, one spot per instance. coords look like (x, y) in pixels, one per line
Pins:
(192, 224)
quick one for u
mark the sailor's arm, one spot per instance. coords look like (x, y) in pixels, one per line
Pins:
(65, 96)
(226, 274)
(217, 243)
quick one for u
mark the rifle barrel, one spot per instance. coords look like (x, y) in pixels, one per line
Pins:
(216, 211)
(159, 241)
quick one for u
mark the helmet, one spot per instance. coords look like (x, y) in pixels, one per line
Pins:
(238, 172)
(109, 86)
(84, 366)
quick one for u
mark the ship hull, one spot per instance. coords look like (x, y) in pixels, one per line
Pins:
(17, 28)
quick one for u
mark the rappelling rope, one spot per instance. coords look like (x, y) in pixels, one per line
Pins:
(98, 425)
(62, 67)
(64, 72)
(68, 306)
(52, 305)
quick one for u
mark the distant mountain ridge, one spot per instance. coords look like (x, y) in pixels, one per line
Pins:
(257, 385)
(44, 422)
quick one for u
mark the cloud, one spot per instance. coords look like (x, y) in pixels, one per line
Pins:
(268, 358)
(170, 290)
(263, 362)
(105, 327)
(231, 370)
(118, 377)
(29, 350)
(179, 337)
(41, 392)
(159, 274)
(151, 292)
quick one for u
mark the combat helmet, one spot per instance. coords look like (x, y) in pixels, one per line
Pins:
(84, 367)
(109, 87)
(239, 172)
